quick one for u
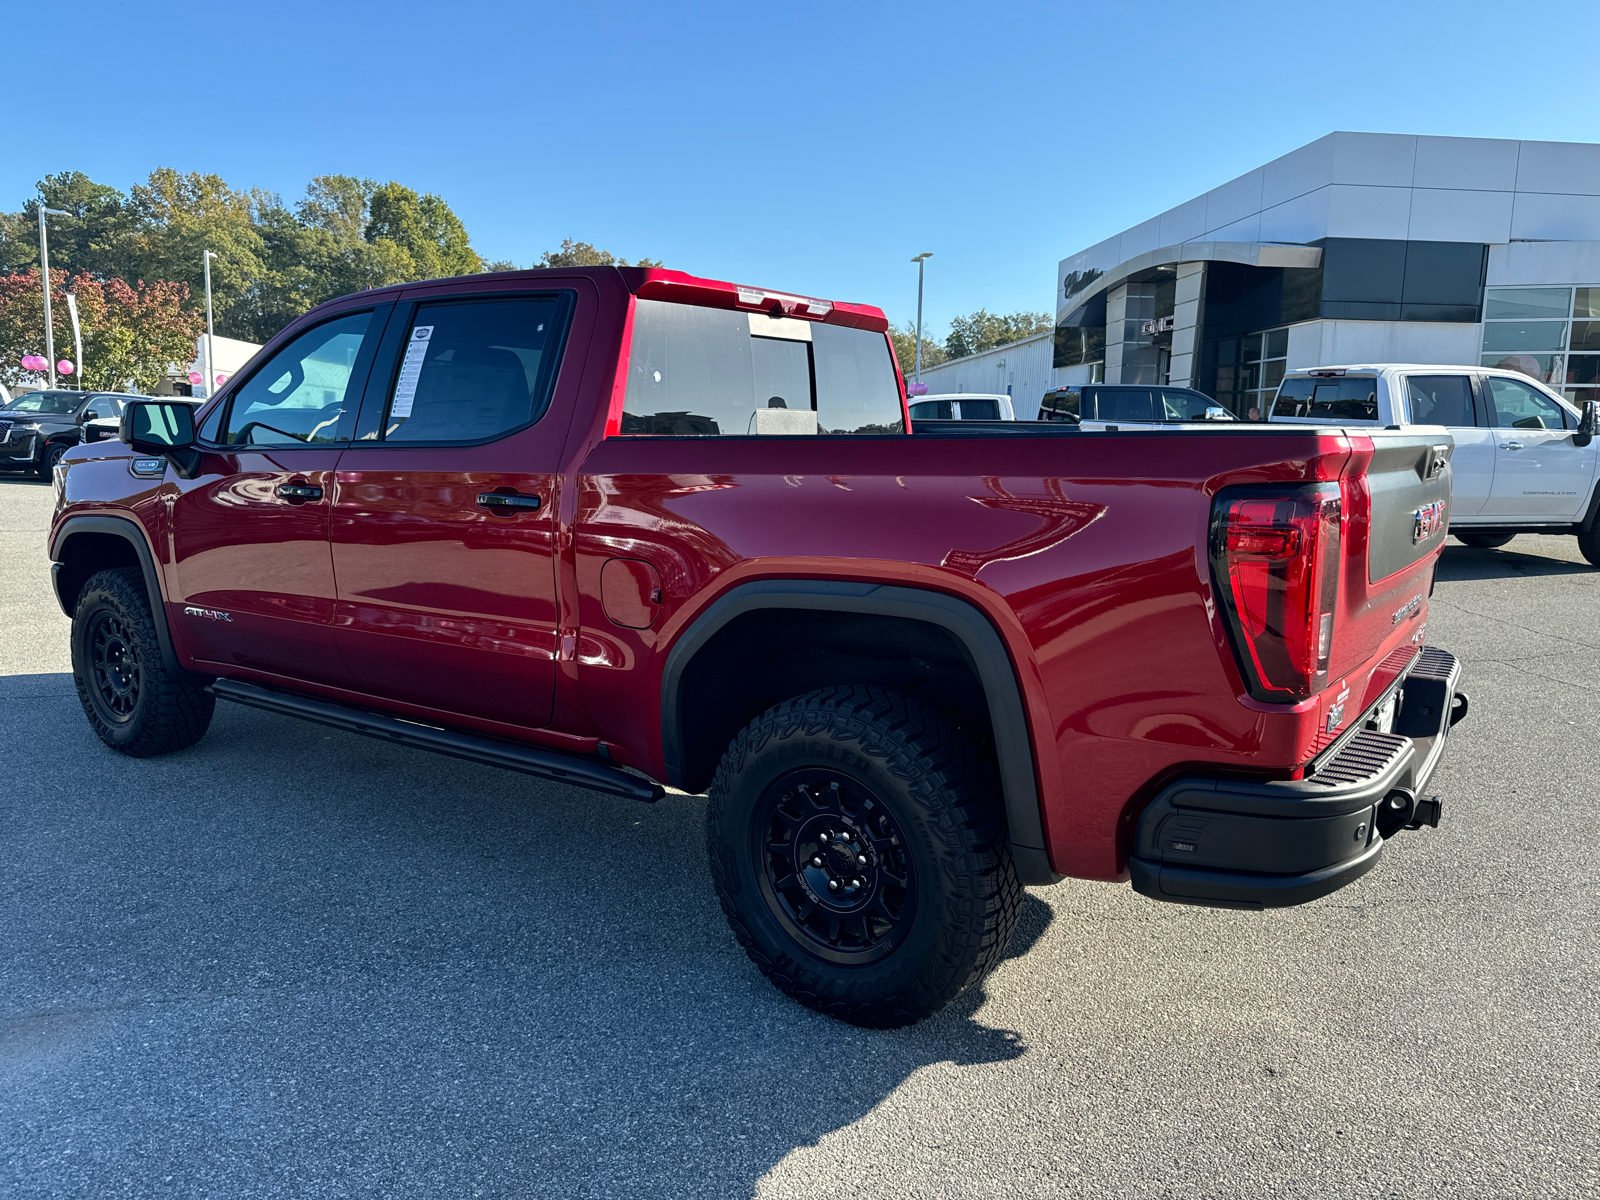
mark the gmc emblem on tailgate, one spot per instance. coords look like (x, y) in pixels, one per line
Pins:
(1427, 521)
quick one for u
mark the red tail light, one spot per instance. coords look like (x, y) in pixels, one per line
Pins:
(1275, 556)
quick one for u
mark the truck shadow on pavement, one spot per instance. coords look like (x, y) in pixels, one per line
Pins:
(292, 960)
(1464, 562)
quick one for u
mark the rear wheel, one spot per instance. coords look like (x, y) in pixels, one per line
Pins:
(1484, 541)
(1589, 544)
(859, 854)
(134, 701)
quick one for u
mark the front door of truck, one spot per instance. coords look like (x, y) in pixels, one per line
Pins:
(1539, 474)
(445, 510)
(252, 570)
(1448, 400)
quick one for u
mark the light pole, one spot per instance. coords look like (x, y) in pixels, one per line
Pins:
(211, 332)
(44, 266)
(920, 260)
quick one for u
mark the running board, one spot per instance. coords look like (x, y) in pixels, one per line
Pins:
(546, 764)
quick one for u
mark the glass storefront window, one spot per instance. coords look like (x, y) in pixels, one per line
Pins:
(1521, 303)
(1546, 368)
(1588, 304)
(1524, 335)
(1585, 335)
(1583, 368)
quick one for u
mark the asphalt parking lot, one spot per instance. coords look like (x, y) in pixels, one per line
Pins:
(295, 962)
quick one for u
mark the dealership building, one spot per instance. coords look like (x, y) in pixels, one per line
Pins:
(1356, 248)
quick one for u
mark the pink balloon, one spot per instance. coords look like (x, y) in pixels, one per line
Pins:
(33, 362)
(221, 379)
(196, 378)
(64, 366)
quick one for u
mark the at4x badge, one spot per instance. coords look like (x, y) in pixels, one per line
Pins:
(1427, 521)
(212, 613)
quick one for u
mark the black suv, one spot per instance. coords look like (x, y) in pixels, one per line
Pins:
(1130, 402)
(37, 428)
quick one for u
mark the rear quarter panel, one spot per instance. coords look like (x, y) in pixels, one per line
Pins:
(1088, 553)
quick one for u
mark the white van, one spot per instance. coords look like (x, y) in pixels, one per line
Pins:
(1525, 460)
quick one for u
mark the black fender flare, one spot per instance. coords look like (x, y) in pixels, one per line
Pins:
(1586, 523)
(972, 630)
(131, 533)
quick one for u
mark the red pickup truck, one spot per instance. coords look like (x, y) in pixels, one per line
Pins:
(620, 526)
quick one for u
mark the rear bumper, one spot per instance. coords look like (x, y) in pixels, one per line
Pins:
(1242, 844)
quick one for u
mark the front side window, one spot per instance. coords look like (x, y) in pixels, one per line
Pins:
(300, 396)
(1440, 400)
(1518, 406)
(708, 371)
(1187, 405)
(932, 410)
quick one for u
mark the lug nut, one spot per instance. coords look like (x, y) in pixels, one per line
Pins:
(862, 859)
(817, 861)
(833, 885)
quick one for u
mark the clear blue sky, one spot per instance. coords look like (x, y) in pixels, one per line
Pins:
(812, 147)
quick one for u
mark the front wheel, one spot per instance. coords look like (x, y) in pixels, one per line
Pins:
(1483, 541)
(135, 703)
(859, 853)
(51, 457)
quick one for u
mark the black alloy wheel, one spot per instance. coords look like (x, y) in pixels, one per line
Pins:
(117, 678)
(51, 458)
(137, 702)
(859, 851)
(836, 872)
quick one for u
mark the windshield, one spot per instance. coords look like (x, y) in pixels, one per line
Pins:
(56, 403)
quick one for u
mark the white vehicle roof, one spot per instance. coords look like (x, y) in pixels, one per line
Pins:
(961, 396)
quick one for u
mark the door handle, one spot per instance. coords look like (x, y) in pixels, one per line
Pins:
(1511, 445)
(298, 491)
(503, 501)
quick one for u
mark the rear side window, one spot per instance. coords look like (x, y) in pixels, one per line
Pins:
(1124, 404)
(1440, 400)
(980, 410)
(475, 370)
(1351, 400)
(709, 371)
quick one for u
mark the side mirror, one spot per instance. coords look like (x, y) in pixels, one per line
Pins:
(161, 427)
(1589, 425)
(1218, 413)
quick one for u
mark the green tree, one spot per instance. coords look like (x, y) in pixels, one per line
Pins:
(582, 254)
(905, 348)
(983, 330)
(432, 238)
(176, 218)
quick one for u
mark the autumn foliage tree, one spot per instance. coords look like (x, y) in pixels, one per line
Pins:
(132, 333)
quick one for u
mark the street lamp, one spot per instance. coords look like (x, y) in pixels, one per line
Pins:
(44, 266)
(211, 331)
(920, 260)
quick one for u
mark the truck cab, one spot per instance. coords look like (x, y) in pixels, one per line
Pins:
(1525, 457)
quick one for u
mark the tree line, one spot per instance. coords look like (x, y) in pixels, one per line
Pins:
(972, 334)
(135, 262)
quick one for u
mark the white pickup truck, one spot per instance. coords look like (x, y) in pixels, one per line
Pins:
(1525, 459)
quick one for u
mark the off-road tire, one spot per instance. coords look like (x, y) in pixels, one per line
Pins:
(49, 457)
(1484, 541)
(159, 710)
(1589, 544)
(942, 794)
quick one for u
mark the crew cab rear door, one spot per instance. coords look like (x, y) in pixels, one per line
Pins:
(1446, 398)
(444, 515)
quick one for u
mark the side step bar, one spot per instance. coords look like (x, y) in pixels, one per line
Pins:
(546, 764)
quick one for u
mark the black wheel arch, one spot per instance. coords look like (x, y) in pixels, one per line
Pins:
(95, 542)
(964, 623)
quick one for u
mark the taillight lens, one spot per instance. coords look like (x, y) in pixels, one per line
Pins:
(1275, 556)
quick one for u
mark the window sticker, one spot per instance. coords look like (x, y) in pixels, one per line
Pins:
(405, 387)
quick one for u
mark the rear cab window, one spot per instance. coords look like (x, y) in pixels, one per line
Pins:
(1345, 400)
(706, 372)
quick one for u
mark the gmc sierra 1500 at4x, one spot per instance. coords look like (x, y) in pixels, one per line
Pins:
(614, 526)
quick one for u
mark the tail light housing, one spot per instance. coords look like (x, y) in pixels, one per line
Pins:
(1275, 558)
